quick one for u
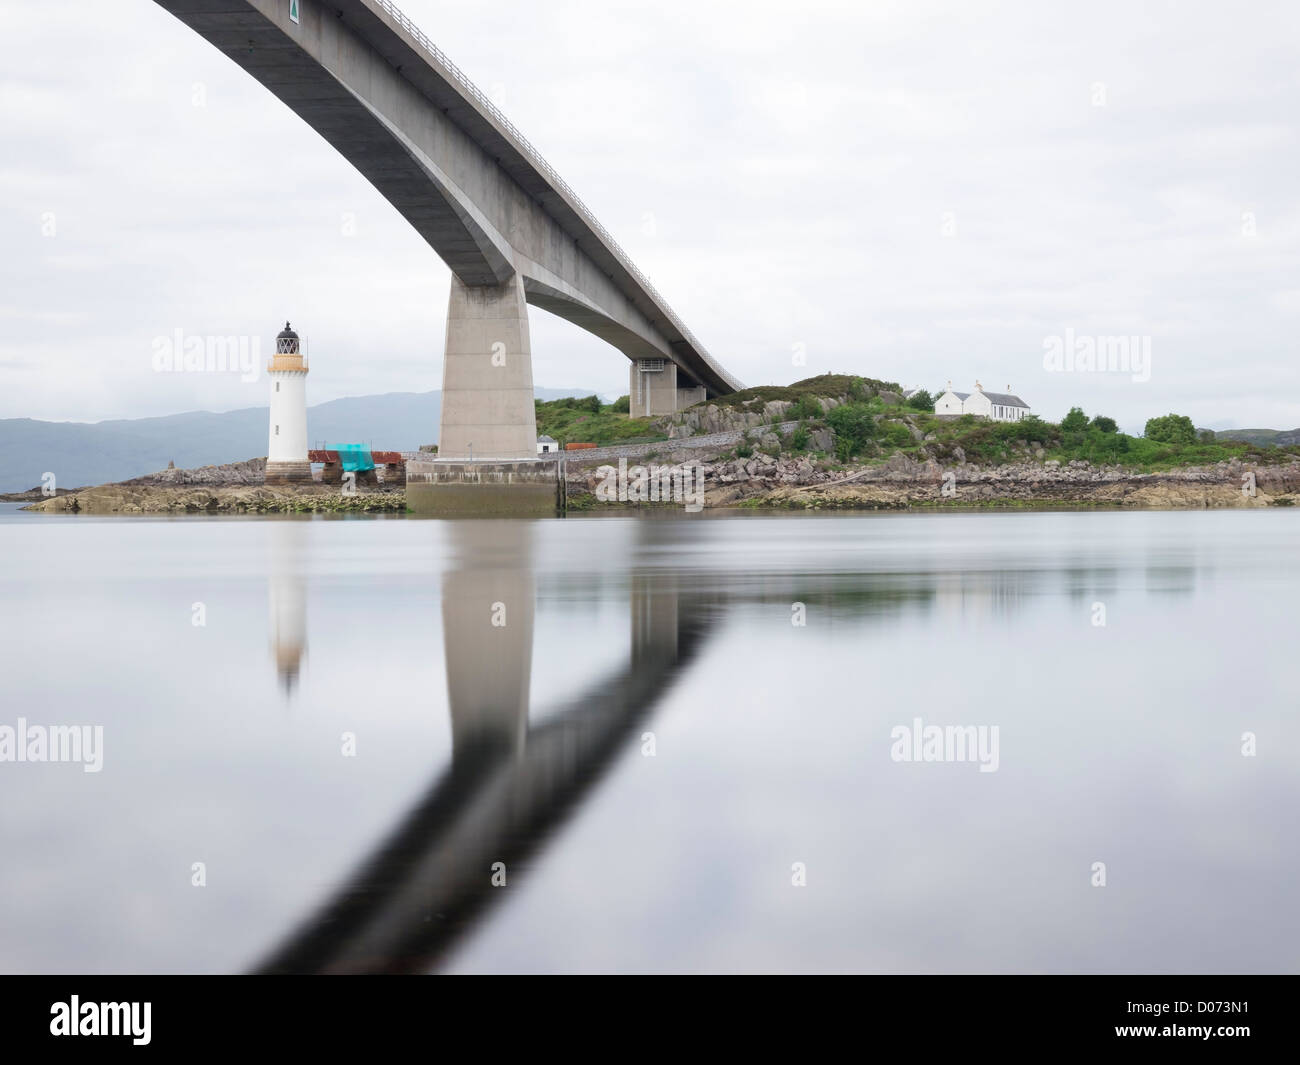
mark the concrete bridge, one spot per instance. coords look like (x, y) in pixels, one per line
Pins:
(511, 230)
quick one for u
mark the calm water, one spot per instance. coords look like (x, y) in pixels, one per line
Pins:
(378, 717)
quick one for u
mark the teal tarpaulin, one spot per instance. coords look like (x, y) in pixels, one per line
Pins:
(354, 457)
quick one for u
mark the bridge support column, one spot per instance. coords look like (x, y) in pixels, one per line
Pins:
(487, 375)
(652, 387)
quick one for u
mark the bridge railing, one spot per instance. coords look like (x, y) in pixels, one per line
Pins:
(537, 159)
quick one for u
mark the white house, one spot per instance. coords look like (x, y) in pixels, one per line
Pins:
(547, 444)
(950, 402)
(996, 406)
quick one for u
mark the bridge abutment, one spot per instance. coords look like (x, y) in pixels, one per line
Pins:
(487, 375)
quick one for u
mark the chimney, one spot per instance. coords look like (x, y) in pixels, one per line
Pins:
(979, 387)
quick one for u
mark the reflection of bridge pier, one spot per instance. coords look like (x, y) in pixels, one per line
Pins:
(509, 786)
(487, 632)
(655, 618)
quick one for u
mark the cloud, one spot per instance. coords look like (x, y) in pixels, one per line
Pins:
(915, 192)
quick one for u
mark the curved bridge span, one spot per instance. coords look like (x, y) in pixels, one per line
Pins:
(511, 230)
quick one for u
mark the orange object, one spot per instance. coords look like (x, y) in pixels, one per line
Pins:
(577, 447)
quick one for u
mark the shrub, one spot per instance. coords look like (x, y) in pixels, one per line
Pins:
(921, 400)
(1074, 422)
(1104, 424)
(854, 425)
(1171, 429)
(895, 434)
(805, 406)
(799, 438)
(744, 451)
(622, 405)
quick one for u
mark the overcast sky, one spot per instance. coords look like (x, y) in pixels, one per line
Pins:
(913, 191)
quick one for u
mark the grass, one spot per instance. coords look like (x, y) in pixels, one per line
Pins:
(827, 386)
(588, 421)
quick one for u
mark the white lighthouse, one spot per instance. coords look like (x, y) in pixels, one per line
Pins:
(286, 452)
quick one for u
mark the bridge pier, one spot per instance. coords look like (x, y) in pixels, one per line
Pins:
(655, 387)
(487, 375)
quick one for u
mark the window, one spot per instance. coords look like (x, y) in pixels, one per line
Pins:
(277, 430)
(277, 386)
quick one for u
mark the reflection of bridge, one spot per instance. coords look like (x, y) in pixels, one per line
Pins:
(509, 228)
(510, 784)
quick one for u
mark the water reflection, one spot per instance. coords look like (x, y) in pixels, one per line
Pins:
(288, 600)
(510, 784)
(516, 774)
(1119, 743)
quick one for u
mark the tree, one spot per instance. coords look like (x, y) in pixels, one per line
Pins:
(1106, 425)
(1171, 429)
(921, 400)
(1206, 436)
(854, 425)
(1074, 422)
(622, 405)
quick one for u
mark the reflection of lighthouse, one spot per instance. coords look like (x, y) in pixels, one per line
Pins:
(286, 453)
(288, 603)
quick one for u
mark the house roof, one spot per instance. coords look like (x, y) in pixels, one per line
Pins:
(1006, 400)
(546, 439)
(960, 395)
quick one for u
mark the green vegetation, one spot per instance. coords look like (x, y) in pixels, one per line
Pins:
(1079, 439)
(806, 406)
(922, 400)
(1171, 429)
(587, 420)
(827, 386)
(1074, 421)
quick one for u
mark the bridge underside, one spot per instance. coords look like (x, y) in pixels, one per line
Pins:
(509, 229)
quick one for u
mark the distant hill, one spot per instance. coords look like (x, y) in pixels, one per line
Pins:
(88, 453)
(1261, 437)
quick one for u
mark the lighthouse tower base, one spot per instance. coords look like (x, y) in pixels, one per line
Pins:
(288, 473)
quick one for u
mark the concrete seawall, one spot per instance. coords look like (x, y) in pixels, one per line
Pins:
(486, 489)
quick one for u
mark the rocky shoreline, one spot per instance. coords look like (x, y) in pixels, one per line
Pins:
(758, 481)
(900, 482)
(260, 499)
(233, 488)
